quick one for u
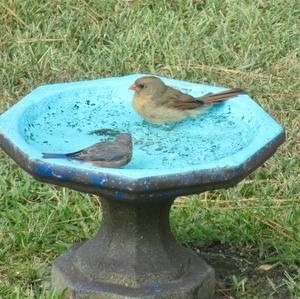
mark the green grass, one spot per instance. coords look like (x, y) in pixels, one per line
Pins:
(251, 44)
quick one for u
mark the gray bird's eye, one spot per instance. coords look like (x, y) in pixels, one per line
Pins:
(141, 86)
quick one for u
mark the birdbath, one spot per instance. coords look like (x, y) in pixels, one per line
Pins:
(134, 254)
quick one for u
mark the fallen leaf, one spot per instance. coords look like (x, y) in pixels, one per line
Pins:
(265, 267)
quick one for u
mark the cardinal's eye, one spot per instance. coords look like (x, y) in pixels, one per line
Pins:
(141, 86)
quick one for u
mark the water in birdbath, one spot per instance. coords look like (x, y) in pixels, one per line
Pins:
(74, 119)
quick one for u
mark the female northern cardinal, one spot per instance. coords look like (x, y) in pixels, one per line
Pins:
(160, 104)
(103, 154)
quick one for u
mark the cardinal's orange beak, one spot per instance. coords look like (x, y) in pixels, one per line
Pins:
(135, 88)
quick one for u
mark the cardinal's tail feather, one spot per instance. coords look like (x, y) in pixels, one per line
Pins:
(212, 98)
(54, 156)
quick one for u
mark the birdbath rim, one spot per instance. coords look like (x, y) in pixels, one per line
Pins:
(141, 183)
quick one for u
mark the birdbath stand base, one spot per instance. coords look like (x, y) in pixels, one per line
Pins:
(134, 255)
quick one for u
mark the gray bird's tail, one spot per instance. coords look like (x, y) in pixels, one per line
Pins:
(54, 156)
(212, 98)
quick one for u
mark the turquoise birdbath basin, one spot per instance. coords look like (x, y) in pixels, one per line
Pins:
(134, 255)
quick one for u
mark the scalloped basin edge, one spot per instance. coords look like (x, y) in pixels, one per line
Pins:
(213, 150)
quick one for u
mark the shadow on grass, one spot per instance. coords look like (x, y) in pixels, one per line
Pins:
(238, 275)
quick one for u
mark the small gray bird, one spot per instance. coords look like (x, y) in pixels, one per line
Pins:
(103, 154)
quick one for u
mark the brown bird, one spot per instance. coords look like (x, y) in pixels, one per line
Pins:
(103, 154)
(159, 103)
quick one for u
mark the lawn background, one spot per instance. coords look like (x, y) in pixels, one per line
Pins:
(250, 233)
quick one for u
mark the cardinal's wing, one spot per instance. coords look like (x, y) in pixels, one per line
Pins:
(181, 101)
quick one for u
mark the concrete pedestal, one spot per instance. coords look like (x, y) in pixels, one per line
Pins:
(134, 255)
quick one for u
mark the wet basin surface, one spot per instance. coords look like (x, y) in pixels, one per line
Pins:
(60, 118)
